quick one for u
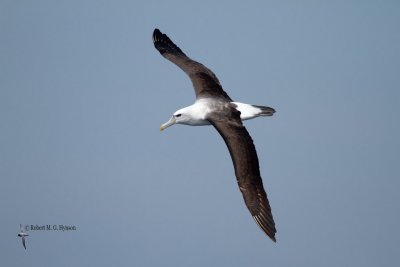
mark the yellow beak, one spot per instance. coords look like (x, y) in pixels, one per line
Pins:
(171, 122)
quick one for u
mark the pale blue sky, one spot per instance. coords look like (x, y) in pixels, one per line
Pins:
(82, 95)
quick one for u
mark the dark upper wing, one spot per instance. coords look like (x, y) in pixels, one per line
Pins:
(204, 81)
(23, 242)
(245, 161)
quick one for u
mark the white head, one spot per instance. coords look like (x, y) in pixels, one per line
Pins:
(194, 115)
(182, 116)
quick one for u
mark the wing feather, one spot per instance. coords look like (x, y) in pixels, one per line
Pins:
(23, 242)
(247, 170)
(204, 81)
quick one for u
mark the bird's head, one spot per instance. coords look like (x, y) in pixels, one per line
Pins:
(181, 116)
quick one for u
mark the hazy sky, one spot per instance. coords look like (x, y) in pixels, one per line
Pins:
(83, 93)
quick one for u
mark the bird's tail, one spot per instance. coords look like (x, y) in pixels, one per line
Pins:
(265, 111)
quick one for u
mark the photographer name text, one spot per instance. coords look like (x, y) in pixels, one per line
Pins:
(50, 227)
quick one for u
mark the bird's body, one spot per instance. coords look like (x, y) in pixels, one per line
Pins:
(197, 112)
(214, 107)
(22, 234)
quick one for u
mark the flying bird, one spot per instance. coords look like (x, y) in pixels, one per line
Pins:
(22, 234)
(214, 107)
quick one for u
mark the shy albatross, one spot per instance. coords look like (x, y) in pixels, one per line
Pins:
(22, 234)
(214, 106)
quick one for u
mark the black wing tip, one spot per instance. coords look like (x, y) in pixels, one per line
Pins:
(157, 36)
(266, 226)
(163, 44)
(270, 234)
(156, 33)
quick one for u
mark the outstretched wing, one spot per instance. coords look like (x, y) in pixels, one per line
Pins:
(23, 241)
(247, 171)
(204, 81)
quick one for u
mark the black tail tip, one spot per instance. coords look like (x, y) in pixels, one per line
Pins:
(266, 111)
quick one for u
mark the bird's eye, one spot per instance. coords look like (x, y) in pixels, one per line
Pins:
(178, 115)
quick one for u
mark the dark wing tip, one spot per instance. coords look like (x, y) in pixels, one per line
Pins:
(266, 225)
(163, 44)
(23, 242)
(264, 219)
(156, 34)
